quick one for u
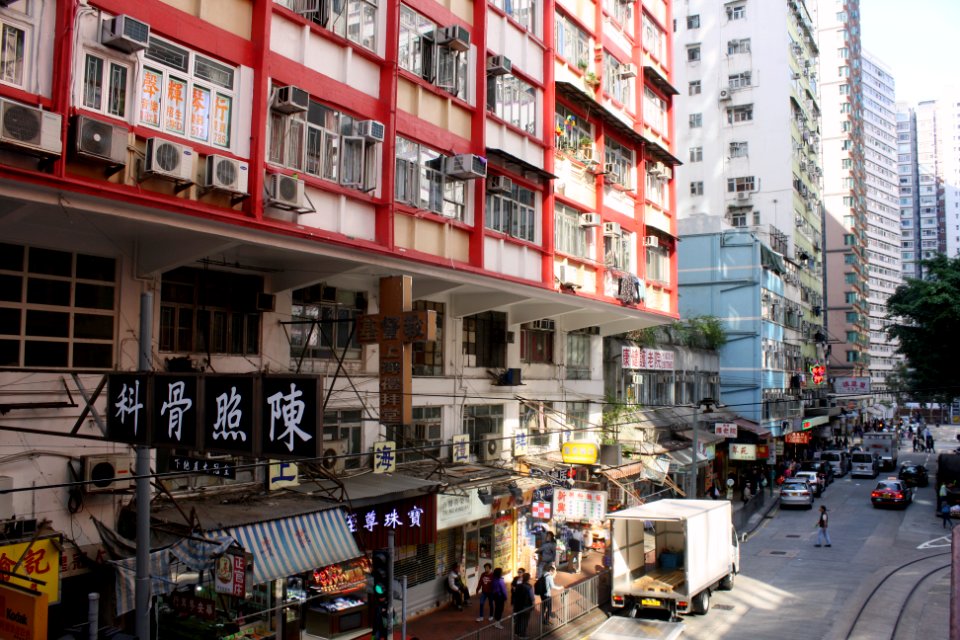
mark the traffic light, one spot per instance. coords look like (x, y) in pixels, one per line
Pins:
(380, 592)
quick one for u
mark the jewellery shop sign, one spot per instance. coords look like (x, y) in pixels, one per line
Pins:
(246, 415)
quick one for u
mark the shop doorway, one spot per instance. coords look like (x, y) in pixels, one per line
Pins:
(479, 551)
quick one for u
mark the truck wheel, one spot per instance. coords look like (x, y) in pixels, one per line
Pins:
(727, 583)
(701, 602)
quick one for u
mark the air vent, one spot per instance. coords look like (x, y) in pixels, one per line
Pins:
(332, 460)
(170, 160)
(226, 174)
(107, 473)
(125, 34)
(491, 447)
(98, 140)
(287, 192)
(30, 128)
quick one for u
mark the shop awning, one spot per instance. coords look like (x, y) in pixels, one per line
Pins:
(624, 470)
(750, 425)
(703, 436)
(298, 544)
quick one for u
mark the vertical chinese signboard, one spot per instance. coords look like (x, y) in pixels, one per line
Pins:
(394, 329)
(228, 414)
(174, 411)
(127, 415)
(231, 574)
(289, 416)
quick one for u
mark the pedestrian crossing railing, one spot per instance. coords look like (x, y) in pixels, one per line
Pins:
(544, 618)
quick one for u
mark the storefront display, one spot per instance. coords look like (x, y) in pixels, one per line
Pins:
(503, 542)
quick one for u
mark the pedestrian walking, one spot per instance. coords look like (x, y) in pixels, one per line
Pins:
(575, 546)
(945, 515)
(499, 594)
(941, 495)
(522, 606)
(515, 584)
(485, 589)
(546, 554)
(546, 594)
(823, 536)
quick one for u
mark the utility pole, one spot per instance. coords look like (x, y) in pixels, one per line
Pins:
(142, 593)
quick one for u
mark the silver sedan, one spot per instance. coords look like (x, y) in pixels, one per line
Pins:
(796, 493)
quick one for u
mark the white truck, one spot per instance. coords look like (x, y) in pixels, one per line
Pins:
(669, 555)
(884, 444)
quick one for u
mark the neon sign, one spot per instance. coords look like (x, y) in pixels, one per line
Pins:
(818, 373)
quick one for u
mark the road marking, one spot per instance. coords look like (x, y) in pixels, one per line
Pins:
(942, 541)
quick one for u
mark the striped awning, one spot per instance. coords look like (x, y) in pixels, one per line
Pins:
(297, 544)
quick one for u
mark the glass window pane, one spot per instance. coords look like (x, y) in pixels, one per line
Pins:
(222, 109)
(176, 111)
(117, 101)
(200, 113)
(212, 71)
(92, 356)
(54, 263)
(92, 82)
(51, 324)
(92, 296)
(96, 268)
(52, 292)
(11, 288)
(45, 354)
(11, 55)
(92, 327)
(168, 54)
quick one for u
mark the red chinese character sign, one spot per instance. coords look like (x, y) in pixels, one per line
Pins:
(575, 505)
(231, 575)
(725, 429)
(818, 374)
(37, 566)
(639, 358)
(395, 329)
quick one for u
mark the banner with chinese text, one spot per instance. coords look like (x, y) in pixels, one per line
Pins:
(413, 521)
(39, 560)
(640, 358)
(575, 505)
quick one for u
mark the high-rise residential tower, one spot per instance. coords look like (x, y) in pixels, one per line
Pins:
(922, 207)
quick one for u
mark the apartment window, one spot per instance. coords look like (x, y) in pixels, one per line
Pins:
(105, 86)
(186, 94)
(852, 317)
(738, 217)
(536, 342)
(693, 22)
(696, 154)
(333, 310)
(621, 160)
(208, 311)
(694, 88)
(850, 278)
(578, 355)
(536, 419)
(853, 356)
(577, 422)
(618, 251)
(355, 20)
(523, 11)
(736, 11)
(741, 45)
(656, 190)
(346, 424)
(12, 49)
(420, 181)
(514, 213)
(696, 120)
(621, 12)
(420, 54)
(739, 149)
(57, 309)
(513, 101)
(654, 39)
(424, 434)
(740, 113)
(846, 163)
(850, 297)
(572, 42)
(655, 109)
(696, 188)
(570, 237)
(844, 89)
(616, 86)
(322, 142)
(428, 355)
(573, 133)
(480, 420)
(739, 80)
(658, 264)
(742, 184)
(484, 339)
(693, 53)
(844, 71)
(843, 53)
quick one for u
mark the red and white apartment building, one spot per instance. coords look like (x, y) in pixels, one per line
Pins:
(255, 163)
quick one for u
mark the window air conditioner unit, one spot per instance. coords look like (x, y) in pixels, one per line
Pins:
(743, 195)
(98, 140)
(107, 473)
(659, 168)
(590, 220)
(724, 94)
(226, 174)
(286, 192)
(466, 166)
(371, 130)
(125, 34)
(568, 275)
(611, 229)
(667, 173)
(628, 71)
(331, 458)
(455, 37)
(169, 160)
(651, 241)
(609, 168)
(491, 447)
(291, 99)
(499, 65)
(30, 128)
(499, 184)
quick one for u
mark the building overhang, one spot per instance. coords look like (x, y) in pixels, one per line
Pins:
(517, 165)
(657, 79)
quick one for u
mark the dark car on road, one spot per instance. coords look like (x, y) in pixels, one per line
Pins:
(915, 475)
(824, 470)
(892, 493)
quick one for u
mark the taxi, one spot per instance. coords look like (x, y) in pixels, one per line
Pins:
(892, 492)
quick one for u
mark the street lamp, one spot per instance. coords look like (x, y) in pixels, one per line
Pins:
(709, 406)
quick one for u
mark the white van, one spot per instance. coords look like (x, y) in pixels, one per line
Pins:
(864, 464)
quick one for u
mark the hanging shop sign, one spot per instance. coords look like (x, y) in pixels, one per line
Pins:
(743, 452)
(725, 429)
(37, 565)
(797, 437)
(640, 358)
(384, 456)
(203, 466)
(191, 605)
(818, 374)
(460, 451)
(541, 510)
(575, 505)
(282, 474)
(24, 613)
(230, 576)
(343, 576)
(851, 385)
(455, 511)
(413, 521)
(248, 415)
(520, 443)
(575, 452)
(763, 451)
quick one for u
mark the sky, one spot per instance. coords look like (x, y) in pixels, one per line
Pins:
(916, 39)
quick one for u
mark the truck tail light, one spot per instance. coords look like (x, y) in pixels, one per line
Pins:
(617, 601)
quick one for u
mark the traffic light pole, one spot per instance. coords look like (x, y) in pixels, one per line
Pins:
(390, 555)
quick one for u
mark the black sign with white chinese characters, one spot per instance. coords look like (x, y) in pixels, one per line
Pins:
(288, 417)
(203, 466)
(127, 400)
(228, 415)
(175, 410)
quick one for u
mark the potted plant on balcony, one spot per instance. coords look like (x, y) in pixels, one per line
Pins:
(591, 79)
